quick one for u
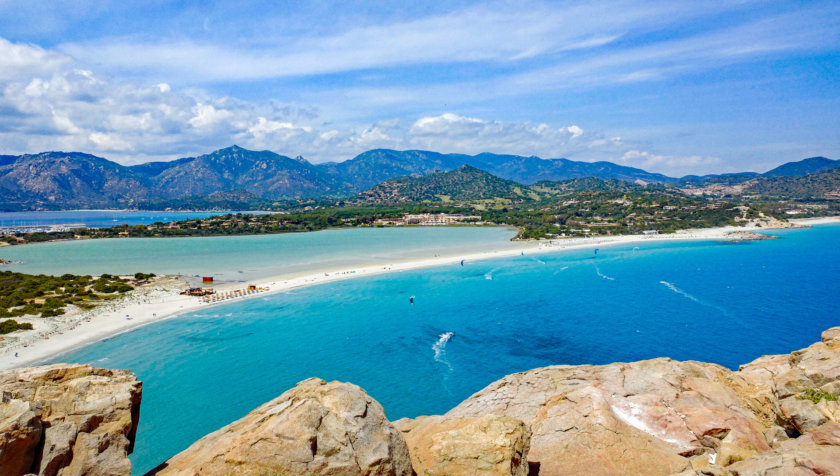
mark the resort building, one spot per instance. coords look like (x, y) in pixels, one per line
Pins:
(439, 219)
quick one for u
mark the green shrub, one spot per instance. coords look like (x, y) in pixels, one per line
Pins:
(12, 325)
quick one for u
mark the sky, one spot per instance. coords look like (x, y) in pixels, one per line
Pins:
(676, 87)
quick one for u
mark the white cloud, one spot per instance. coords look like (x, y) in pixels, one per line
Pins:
(23, 61)
(48, 101)
(207, 116)
(445, 124)
(657, 60)
(110, 142)
(670, 164)
(498, 32)
(78, 110)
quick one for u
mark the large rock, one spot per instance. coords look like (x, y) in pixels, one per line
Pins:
(800, 389)
(645, 417)
(490, 445)
(66, 419)
(815, 453)
(315, 428)
(664, 417)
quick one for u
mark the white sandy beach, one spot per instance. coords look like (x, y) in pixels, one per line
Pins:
(151, 304)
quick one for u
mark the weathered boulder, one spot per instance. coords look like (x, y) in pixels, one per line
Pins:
(815, 453)
(491, 445)
(65, 419)
(643, 417)
(314, 428)
(799, 390)
(663, 417)
(20, 432)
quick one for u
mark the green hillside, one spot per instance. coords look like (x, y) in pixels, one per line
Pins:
(464, 184)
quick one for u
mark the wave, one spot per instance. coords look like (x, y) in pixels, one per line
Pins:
(598, 270)
(440, 348)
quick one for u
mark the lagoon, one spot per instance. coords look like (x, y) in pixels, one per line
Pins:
(249, 257)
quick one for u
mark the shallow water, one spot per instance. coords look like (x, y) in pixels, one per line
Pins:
(711, 301)
(242, 258)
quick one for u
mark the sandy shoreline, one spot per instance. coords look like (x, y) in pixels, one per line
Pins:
(157, 303)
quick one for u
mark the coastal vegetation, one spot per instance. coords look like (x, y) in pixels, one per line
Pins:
(815, 395)
(41, 295)
(11, 325)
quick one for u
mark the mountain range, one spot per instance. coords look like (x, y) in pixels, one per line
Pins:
(67, 180)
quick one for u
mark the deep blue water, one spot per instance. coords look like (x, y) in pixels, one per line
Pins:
(100, 218)
(718, 302)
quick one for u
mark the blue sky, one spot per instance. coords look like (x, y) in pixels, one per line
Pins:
(676, 87)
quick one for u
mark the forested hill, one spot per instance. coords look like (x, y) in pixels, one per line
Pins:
(67, 180)
(466, 183)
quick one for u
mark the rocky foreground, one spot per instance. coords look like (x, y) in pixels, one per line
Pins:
(67, 420)
(778, 415)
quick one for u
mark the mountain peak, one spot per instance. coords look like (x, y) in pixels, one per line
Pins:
(811, 165)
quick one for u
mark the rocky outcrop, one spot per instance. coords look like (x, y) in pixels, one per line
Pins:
(817, 452)
(748, 236)
(490, 445)
(776, 415)
(664, 417)
(316, 428)
(67, 419)
(798, 391)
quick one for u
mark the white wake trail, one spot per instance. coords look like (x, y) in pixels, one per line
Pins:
(564, 268)
(440, 348)
(598, 270)
(683, 293)
(698, 300)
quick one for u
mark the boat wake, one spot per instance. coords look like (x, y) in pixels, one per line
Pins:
(538, 260)
(489, 274)
(598, 270)
(682, 293)
(564, 268)
(440, 349)
(694, 298)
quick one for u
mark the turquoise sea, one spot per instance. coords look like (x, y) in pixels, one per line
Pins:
(721, 302)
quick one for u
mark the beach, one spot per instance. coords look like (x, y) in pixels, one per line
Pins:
(162, 301)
